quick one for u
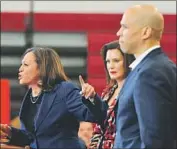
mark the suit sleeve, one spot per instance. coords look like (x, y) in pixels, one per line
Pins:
(76, 106)
(98, 107)
(155, 108)
(20, 137)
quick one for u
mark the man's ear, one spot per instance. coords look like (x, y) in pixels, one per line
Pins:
(146, 32)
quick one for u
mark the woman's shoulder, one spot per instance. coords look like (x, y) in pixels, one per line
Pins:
(67, 85)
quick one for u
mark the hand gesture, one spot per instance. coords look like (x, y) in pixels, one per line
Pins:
(27, 147)
(5, 131)
(88, 91)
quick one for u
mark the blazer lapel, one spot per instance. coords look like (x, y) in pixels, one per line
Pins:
(146, 59)
(134, 72)
(45, 106)
(24, 102)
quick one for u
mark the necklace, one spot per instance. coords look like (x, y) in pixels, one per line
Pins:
(34, 99)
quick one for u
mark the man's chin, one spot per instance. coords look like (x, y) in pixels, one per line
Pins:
(124, 50)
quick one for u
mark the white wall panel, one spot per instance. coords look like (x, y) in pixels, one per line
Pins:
(46, 39)
(60, 39)
(12, 39)
(15, 6)
(67, 62)
(168, 7)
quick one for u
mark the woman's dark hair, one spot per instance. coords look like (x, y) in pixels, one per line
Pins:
(127, 58)
(50, 67)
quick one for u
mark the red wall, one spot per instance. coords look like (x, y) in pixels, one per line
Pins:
(51, 22)
(5, 101)
(91, 24)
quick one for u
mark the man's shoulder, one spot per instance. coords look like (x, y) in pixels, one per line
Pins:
(158, 63)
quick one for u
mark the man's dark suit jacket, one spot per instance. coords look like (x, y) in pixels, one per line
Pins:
(147, 109)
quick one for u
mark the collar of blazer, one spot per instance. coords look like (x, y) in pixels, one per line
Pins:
(139, 66)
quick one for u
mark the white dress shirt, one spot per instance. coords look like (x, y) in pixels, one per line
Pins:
(142, 56)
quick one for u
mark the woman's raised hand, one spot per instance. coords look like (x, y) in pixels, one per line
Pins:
(87, 91)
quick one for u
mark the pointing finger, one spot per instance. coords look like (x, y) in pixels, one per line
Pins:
(81, 80)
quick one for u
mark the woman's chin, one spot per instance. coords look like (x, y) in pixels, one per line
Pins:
(114, 77)
(117, 77)
(21, 82)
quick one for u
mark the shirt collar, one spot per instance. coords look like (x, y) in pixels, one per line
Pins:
(142, 56)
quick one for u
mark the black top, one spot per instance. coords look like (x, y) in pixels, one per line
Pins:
(32, 111)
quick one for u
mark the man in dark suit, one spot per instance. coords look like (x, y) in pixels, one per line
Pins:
(146, 114)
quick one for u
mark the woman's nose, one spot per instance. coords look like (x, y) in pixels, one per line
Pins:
(20, 69)
(111, 65)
